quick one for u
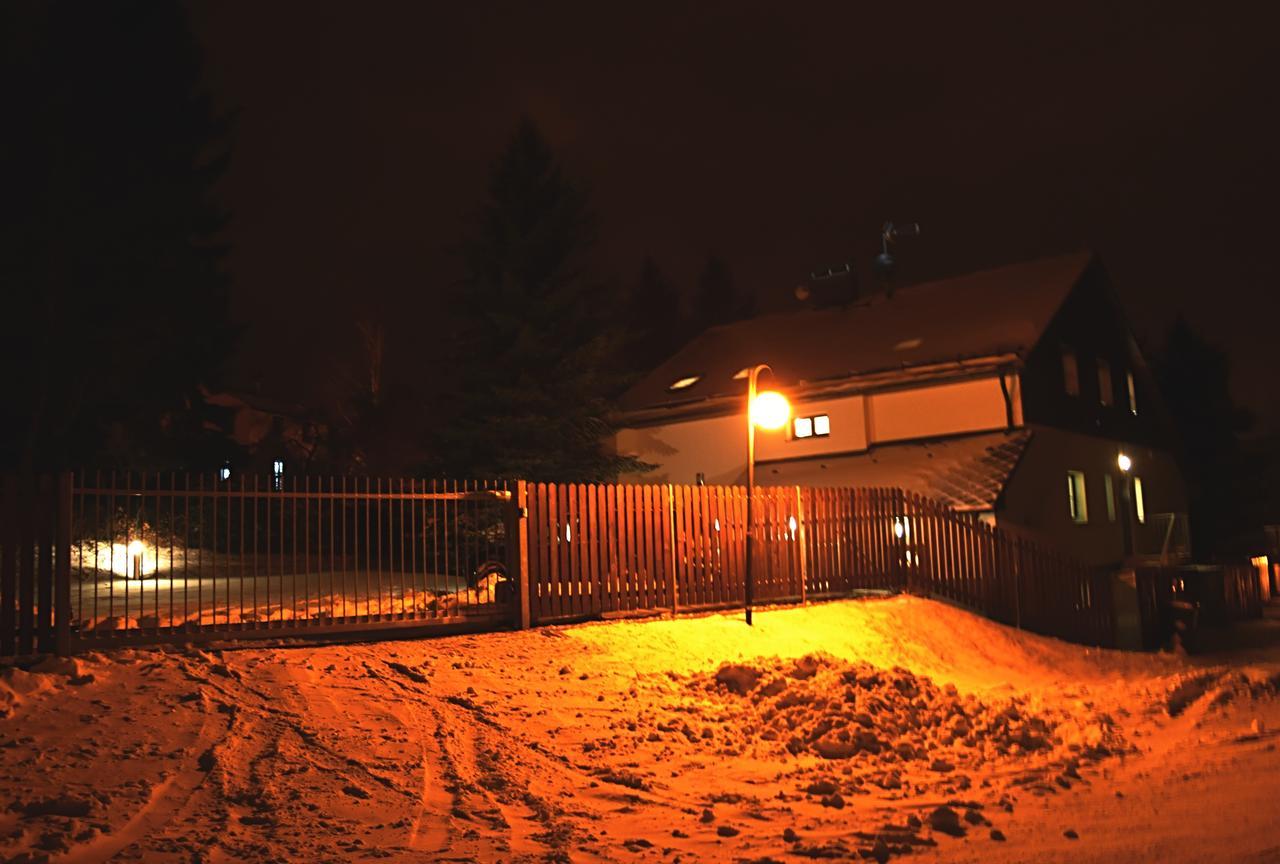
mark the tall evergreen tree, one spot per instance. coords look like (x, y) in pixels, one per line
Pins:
(1194, 378)
(656, 324)
(115, 302)
(534, 359)
(719, 300)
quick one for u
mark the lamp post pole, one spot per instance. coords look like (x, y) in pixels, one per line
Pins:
(1126, 496)
(752, 378)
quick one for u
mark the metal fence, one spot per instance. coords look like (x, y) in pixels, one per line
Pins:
(108, 558)
(156, 556)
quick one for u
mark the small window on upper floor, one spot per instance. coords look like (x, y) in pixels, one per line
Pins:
(1110, 486)
(1139, 505)
(1077, 505)
(1106, 393)
(1133, 393)
(1070, 373)
(817, 426)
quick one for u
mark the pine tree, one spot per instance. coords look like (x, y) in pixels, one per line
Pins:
(1194, 378)
(535, 354)
(718, 300)
(656, 324)
(113, 289)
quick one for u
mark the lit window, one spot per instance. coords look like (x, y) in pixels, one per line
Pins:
(1111, 497)
(685, 383)
(817, 426)
(1133, 394)
(1077, 505)
(1070, 374)
(1139, 506)
(1105, 393)
(277, 474)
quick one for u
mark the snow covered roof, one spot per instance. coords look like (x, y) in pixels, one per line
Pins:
(991, 312)
(966, 473)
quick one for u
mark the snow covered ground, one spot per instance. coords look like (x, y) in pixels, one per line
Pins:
(899, 729)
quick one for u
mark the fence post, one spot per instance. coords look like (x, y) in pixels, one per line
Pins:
(518, 549)
(8, 563)
(898, 501)
(669, 538)
(1020, 564)
(802, 547)
(62, 568)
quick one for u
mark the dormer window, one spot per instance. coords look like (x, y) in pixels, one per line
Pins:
(684, 383)
(1070, 373)
(1106, 394)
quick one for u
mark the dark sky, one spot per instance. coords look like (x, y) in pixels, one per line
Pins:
(777, 136)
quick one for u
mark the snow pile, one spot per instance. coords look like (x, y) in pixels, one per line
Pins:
(833, 709)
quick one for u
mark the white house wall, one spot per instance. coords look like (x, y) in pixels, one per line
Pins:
(716, 446)
(931, 412)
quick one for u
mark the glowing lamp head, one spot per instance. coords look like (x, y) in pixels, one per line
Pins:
(1124, 462)
(770, 410)
(136, 548)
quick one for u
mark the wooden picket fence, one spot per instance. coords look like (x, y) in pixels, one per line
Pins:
(238, 558)
(1219, 593)
(619, 550)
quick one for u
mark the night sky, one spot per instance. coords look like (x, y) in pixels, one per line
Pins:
(779, 138)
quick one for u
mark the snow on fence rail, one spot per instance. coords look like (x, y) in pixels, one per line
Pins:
(128, 557)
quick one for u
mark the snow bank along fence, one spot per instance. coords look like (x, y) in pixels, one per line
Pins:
(101, 558)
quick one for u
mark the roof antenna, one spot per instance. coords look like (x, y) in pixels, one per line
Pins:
(884, 263)
(829, 286)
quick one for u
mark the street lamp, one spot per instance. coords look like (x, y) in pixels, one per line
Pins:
(1126, 526)
(769, 410)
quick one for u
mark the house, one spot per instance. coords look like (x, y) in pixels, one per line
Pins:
(271, 434)
(1009, 393)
